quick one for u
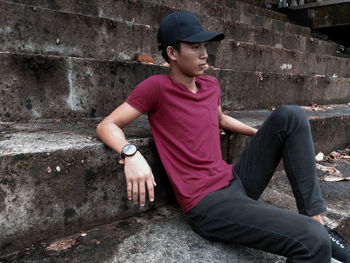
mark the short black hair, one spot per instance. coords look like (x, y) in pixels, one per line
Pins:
(176, 46)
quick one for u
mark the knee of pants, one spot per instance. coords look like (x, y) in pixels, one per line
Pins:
(293, 114)
(319, 240)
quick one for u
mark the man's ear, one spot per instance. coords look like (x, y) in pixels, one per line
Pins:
(171, 52)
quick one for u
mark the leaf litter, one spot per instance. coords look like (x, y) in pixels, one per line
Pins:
(61, 244)
(328, 172)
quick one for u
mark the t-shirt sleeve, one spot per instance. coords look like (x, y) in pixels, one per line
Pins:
(145, 96)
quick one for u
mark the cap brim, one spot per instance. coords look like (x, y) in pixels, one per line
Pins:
(205, 36)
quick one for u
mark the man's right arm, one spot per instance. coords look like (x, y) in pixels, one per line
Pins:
(137, 171)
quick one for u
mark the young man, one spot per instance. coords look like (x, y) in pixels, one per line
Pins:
(219, 200)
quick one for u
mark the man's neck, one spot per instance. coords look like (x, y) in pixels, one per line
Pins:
(189, 82)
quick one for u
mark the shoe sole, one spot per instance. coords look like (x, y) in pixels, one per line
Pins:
(335, 261)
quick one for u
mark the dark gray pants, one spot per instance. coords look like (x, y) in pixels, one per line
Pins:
(232, 213)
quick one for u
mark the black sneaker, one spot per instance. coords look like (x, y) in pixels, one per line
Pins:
(340, 248)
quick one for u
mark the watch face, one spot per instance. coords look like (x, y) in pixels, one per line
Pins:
(129, 149)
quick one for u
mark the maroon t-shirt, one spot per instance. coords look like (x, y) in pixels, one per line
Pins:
(186, 132)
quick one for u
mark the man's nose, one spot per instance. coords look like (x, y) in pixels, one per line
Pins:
(204, 54)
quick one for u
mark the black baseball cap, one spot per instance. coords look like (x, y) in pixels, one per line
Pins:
(184, 26)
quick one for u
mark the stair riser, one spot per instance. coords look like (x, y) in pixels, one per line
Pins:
(38, 205)
(55, 87)
(51, 87)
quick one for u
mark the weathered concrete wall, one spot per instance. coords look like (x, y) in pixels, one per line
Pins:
(46, 32)
(55, 87)
(134, 9)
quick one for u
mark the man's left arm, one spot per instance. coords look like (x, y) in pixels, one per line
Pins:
(230, 124)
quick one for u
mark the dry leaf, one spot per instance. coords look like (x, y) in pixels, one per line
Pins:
(331, 170)
(61, 244)
(305, 107)
(319, 157)
(333, 179)
(335, 155)
(313, 107)
(145, 58)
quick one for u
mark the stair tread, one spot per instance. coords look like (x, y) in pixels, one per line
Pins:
(48, 135)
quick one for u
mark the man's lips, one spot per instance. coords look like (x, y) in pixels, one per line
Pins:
(203, 66)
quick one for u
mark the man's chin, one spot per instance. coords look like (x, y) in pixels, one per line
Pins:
(199, 73)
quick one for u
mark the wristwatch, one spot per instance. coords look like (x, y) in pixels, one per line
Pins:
(129, 150)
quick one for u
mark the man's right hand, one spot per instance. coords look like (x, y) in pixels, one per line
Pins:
(137, 171)
(138, 175)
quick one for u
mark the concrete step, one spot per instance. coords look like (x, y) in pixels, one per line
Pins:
(35, 86)
(156, 236)
(58, 178)
(335, 194)
(26, 29)
(253, 32)
(49, 32)
(161, 235)
(248, 56)
(326, 121)
(135, 10)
